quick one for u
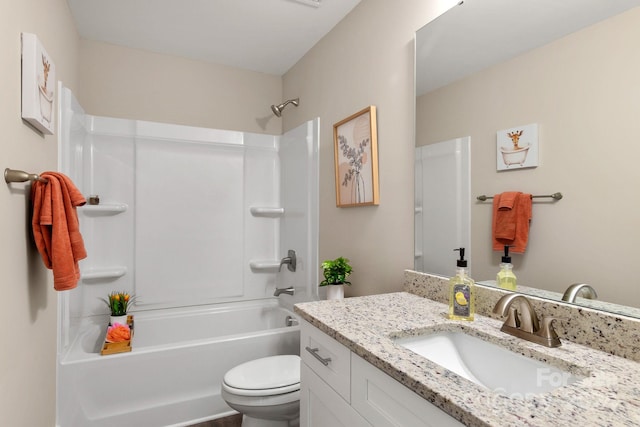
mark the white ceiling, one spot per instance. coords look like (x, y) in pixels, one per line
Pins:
(268, 36)
(480, 33)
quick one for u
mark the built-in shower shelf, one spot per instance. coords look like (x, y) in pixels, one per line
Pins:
(104, 209)
(266, 212)
(418, 209)
(104, 273)
(417, 255)
(264, 265)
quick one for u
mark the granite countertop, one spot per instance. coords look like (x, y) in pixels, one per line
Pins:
(609, 394)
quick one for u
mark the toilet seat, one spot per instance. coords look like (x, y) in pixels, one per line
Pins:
(269, 376)
(261, 392)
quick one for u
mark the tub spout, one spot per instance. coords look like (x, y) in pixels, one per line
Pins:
(289, 291)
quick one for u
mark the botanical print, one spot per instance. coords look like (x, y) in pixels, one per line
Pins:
(517, 147)
(356, 173)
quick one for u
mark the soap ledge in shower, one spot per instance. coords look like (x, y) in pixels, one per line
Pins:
(267, 212)
(104, 209)
(104, 273)
(264, 266)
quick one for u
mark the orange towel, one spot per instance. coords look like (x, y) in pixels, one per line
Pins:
(56, 229)
(505, 209)
(511, 217)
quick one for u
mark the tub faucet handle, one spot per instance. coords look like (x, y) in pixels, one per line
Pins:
(290, 260)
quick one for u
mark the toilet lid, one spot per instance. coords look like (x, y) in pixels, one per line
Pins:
(266, 373)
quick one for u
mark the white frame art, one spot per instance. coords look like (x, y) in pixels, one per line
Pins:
(38, 85)
(517, 147)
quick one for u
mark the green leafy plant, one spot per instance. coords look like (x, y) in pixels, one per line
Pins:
(119, 302)
(336, 272)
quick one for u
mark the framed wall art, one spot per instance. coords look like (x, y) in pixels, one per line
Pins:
(38, 85)
(517, 148)
(356, 159)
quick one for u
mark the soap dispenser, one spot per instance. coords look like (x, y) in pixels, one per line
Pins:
(462, 293)
(506, 279)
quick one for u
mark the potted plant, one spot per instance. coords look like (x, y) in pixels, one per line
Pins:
(119, 303)
(335, 276)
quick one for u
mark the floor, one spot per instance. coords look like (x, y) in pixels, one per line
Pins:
(230, 421)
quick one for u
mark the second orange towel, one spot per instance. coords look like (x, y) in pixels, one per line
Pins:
(511, 217)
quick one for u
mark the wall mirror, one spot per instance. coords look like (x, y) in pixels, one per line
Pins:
(571, 67)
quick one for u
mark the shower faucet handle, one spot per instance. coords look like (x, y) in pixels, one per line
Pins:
(290, 260)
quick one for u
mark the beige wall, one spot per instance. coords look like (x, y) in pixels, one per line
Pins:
(367, 59)
(28, 316)
(129, 83)
(584, 94)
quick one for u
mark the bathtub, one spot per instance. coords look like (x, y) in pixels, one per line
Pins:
(173, 374)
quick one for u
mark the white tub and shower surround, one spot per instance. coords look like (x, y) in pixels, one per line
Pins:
(173, 376)
(174, 224)
(299, 192)
(181, 223)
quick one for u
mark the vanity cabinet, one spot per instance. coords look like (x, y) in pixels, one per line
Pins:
(321, 406)
(383, 401)
(339, 388)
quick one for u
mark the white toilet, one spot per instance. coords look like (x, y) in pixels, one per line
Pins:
(266, 391)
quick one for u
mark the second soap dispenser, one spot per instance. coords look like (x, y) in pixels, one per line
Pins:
(506, 279)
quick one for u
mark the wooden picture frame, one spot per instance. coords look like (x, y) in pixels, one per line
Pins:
(356, 159)
(38, 85)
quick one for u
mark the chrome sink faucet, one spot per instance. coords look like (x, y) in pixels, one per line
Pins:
(585, 290)
(522, 321)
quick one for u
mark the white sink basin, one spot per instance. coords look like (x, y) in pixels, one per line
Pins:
(487, 364)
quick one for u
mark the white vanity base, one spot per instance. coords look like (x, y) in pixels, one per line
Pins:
(348, 391)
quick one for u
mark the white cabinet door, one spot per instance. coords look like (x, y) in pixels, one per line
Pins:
(384, 402)
(321, 406)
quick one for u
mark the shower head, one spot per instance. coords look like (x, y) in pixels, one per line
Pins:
(277, 109)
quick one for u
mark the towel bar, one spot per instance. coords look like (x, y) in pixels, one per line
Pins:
(14, 175)
(555, 196)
